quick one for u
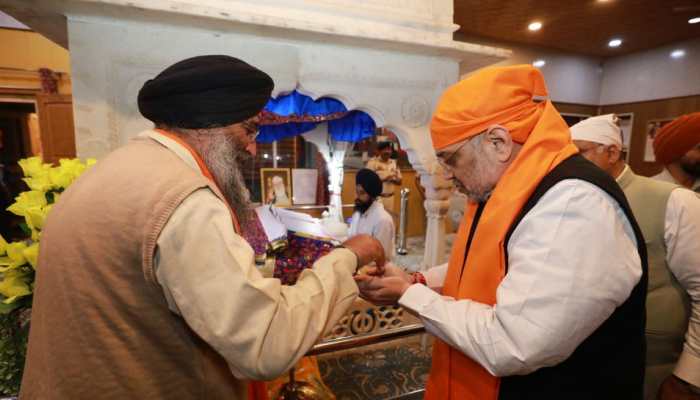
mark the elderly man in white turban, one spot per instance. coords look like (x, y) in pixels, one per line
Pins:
(669, 216)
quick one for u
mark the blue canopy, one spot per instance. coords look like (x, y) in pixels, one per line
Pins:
(295, 113)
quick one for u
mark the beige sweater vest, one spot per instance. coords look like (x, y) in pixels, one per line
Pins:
(101, 327)
(668, 304)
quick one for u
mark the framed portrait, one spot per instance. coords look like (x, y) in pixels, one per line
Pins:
(276, 186)
(653, 126)
(304, 182)
(626, 122)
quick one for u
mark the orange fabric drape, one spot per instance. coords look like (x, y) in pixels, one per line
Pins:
(504, 96)
(256, 389)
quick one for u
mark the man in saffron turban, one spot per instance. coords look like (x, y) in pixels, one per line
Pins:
(543, 295)
(677, 147)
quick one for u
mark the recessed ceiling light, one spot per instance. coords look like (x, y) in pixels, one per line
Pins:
(615, 43)
(535, 26)
(694, 20)
(539, 63)
(679, 53)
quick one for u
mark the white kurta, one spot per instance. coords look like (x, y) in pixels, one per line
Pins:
(377, 222)
(682, 239)
(207, 272)
(572, 261)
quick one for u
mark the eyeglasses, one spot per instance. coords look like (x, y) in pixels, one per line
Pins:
(251, 127)
(446, 159)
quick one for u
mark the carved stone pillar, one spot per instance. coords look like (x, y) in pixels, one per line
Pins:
(334, 154)
(437, 192)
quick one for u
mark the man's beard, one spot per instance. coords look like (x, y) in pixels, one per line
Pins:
(226, 162)
(478, 196)
(478, 191)
(361, 206)
(692, 168)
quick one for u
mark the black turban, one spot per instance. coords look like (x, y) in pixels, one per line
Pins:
(370, 182)
(205, 92)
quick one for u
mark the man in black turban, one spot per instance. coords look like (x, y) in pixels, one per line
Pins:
(211, 102)
(370, 217)
(144, 269)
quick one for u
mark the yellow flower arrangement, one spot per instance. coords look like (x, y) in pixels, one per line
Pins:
(18, 260)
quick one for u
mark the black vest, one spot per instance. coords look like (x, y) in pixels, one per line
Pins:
(609, 364)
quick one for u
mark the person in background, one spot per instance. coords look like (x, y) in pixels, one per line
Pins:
(669, 216)
(145, 287)
(677, 148)
(388, 172)
(543, 296)
(370, 217)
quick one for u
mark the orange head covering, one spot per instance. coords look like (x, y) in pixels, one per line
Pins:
(677, 138)
(507, 96)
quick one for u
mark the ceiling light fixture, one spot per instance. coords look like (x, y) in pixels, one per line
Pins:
(615, 43)
(694, 20)
(539, 63)
(679, 53)
(535, 26)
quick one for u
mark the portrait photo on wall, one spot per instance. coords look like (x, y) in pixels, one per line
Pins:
(626, 123)
(276, 186)
(653, 126)
(304, 183)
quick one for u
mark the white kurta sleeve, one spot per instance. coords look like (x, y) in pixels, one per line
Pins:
(384, 232)
(435, 277)
(682, 238)
(259, 326)
(572, 261)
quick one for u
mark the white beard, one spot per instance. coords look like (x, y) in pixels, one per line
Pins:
(225, 163)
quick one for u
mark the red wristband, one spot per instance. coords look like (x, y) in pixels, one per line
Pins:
(417, 277)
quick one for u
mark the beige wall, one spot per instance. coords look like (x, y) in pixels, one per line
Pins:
(30, 51)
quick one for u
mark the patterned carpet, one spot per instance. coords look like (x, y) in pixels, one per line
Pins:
(377, 372)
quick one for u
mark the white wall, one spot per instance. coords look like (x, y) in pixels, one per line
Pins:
(570, 78)
(652, 75)
(642, 76)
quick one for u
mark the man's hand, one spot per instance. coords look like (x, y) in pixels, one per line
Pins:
(383, 288)
(367, 249)
(673, 388)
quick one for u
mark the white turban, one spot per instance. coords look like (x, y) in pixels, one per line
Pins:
(602, 129)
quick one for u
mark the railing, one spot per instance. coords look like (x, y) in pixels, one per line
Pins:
(351, 342)
(402, 221)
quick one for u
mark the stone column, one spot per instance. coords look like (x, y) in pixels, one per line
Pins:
(437, 192)
(334, 154)
(416, 141)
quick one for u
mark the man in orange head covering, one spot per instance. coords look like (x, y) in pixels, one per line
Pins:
(543, 295)
(677, 147)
